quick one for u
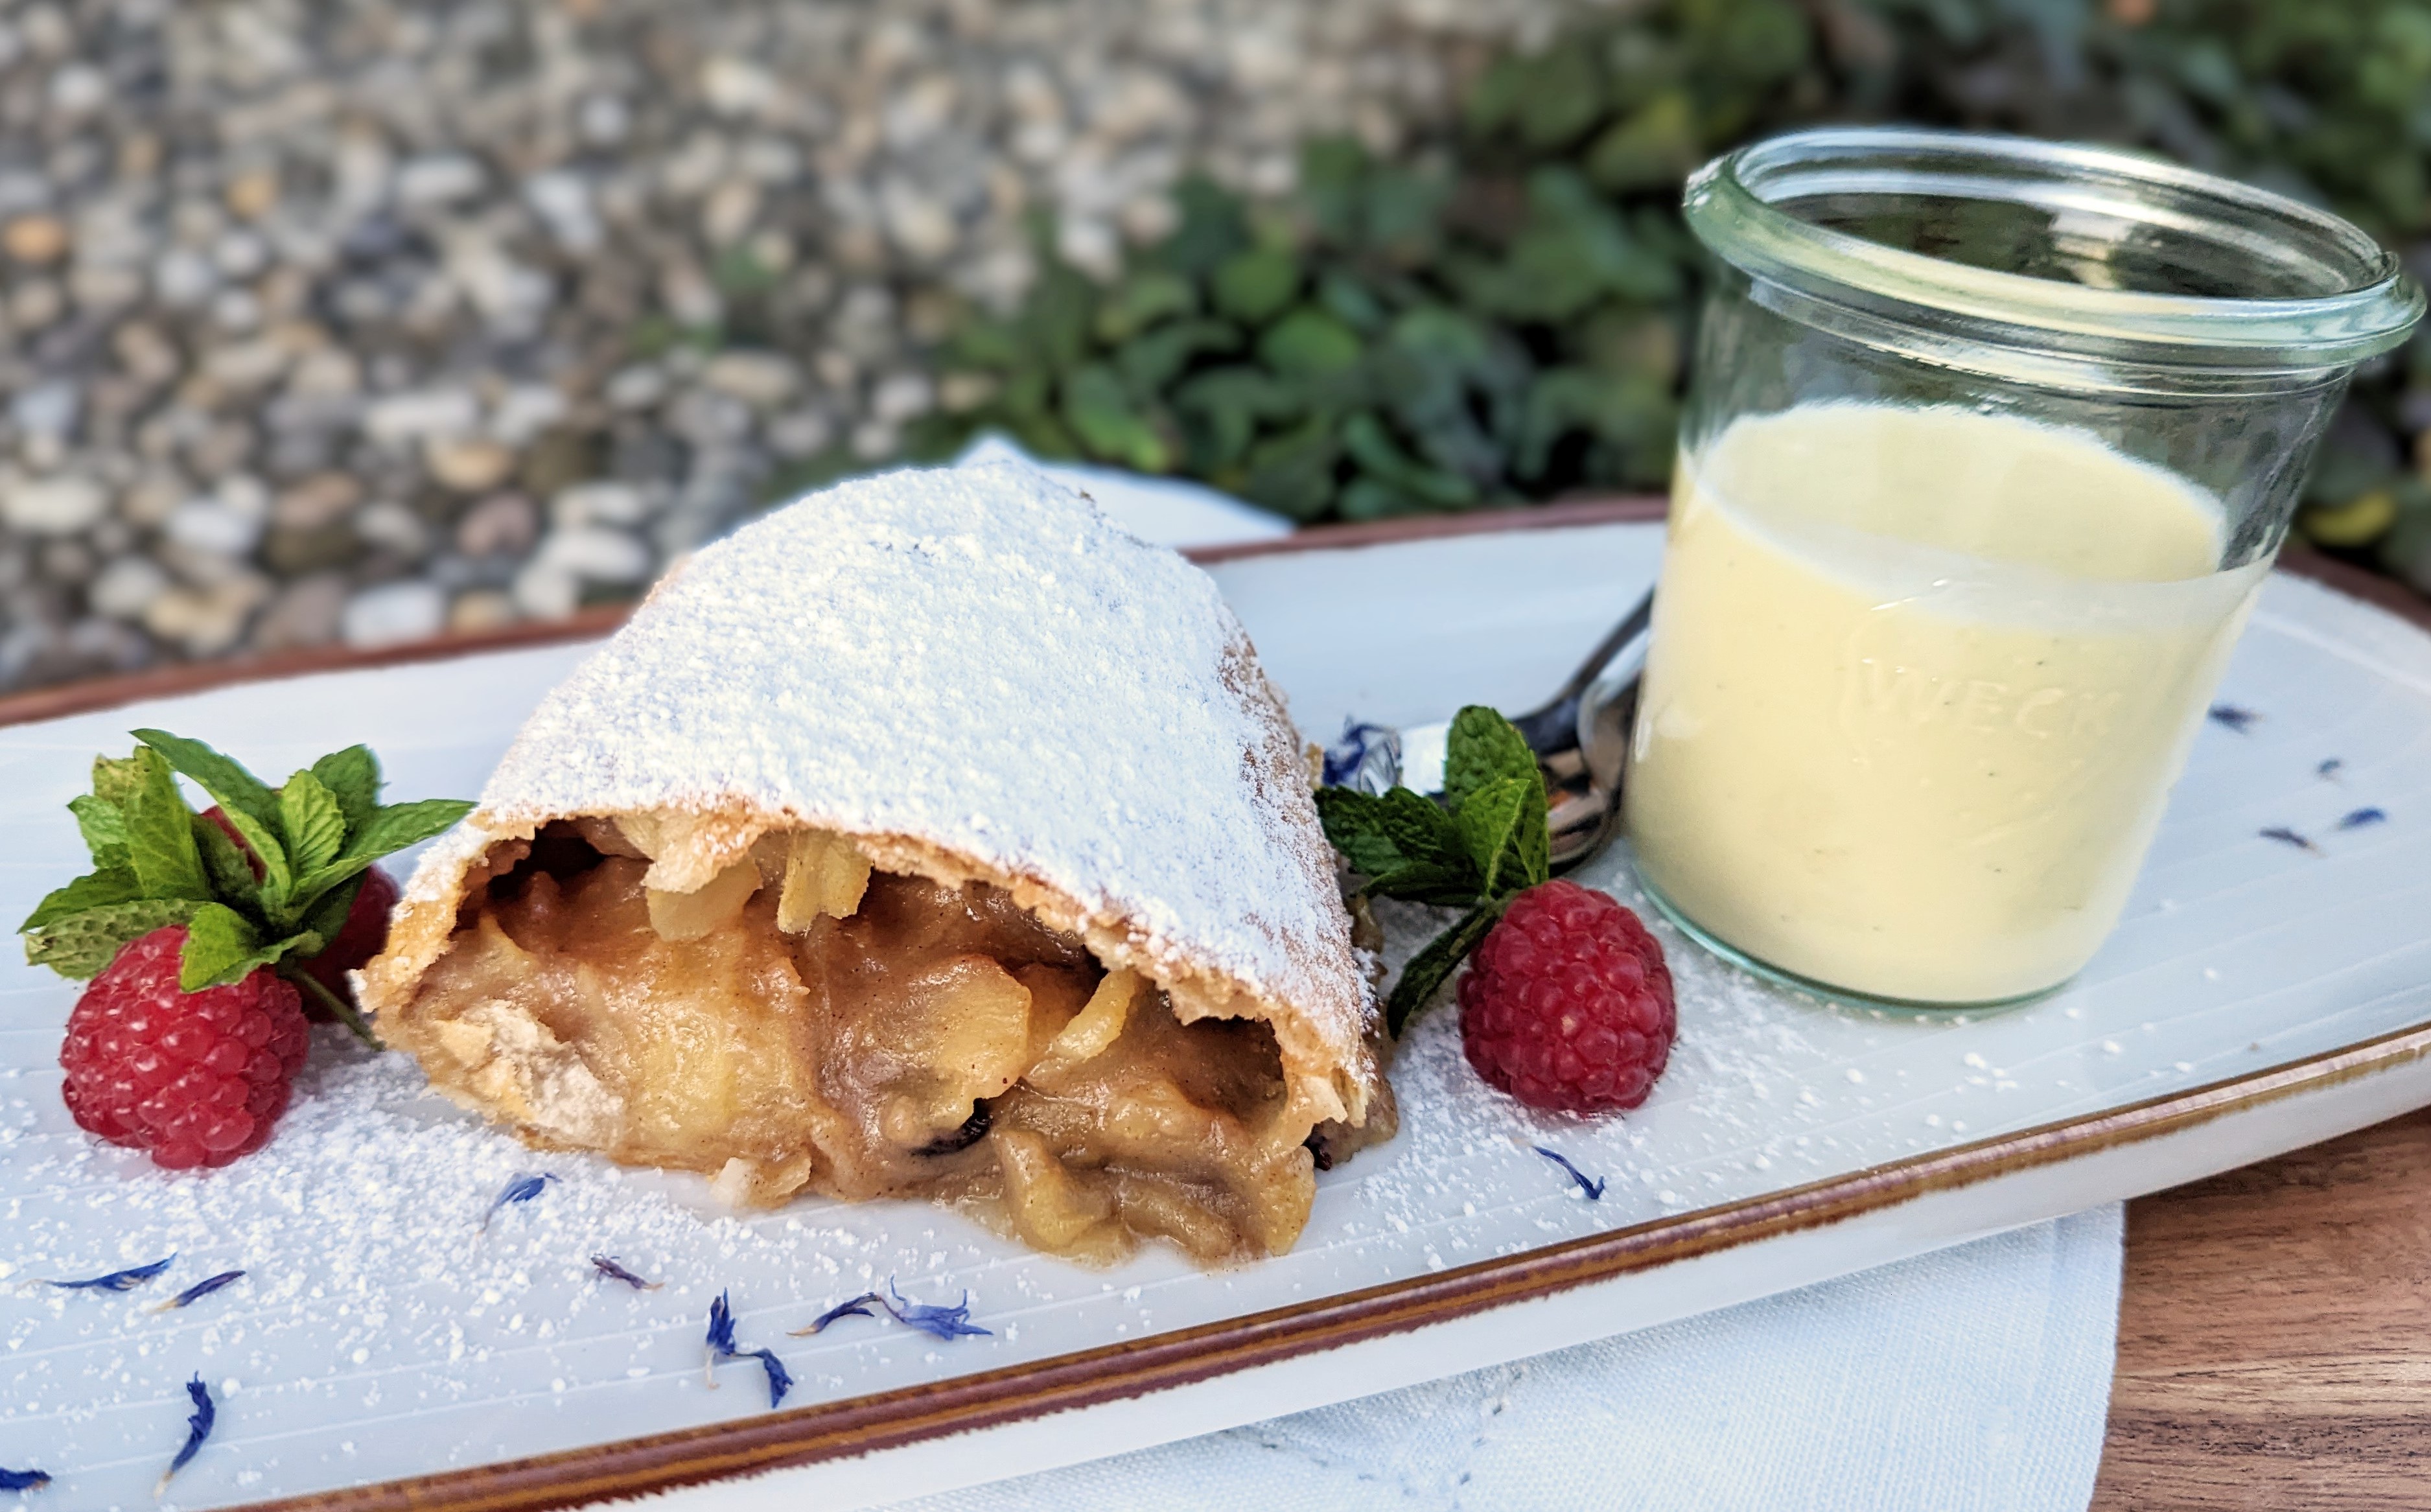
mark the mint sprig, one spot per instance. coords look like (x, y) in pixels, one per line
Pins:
(1483, 846)
(276, 899)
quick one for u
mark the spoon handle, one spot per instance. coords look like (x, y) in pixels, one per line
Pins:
(1563, 721)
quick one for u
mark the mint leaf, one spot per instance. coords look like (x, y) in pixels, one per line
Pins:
(1429, 968)
(1421, 830)
(310, 889)
(94, 889)
(310, 821)
(353, 778)
(1482, 747)
(271, 892)
(1424, 882)
(391, 829)
(1489, 823)
(114, 777)
(104, 829)
(250, 808)
(1405, 845)
(218, 939)
(222, 947)
(229, 784)
(77, 946)
(160, 832)
(1534, 838)
(226, 865)
(400, 825)
(1355, 823)
(326, 917)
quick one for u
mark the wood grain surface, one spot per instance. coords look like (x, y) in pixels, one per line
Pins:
(2275, 1336)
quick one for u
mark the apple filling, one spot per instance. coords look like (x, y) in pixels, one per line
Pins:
(802, 1022)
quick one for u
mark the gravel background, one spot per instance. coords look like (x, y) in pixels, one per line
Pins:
(360, 322)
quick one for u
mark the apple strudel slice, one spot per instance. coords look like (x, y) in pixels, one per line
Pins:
(929, 837)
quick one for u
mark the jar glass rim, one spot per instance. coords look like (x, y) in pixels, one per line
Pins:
(1741, 206)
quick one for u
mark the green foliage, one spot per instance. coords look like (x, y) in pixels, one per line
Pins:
(1502, 317)
(1498, 325)
(1362, 353)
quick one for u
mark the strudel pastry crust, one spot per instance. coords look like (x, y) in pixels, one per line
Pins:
(931, 837)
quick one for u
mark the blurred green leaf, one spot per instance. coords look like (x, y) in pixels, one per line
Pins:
(1371, 498)
(1255, 285)
(1293, 474)
(739, 274)
(1347, 299)
(1634, 419)
(1309, 341)
(1055, 318)
(1149, 364)
(1145, 297)
(1220, 410)
(1099, 409)
(1333, 179)
(1211, 229)
(1561, 97)
(1653, 145)
(1373, 446)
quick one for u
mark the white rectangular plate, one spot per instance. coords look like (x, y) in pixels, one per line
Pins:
(2260, 996)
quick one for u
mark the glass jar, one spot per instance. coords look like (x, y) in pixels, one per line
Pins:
(1988, 445)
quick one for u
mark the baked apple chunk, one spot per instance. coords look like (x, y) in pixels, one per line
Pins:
(798, 1020)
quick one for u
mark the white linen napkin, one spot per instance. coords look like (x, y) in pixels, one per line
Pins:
(1977, 1379)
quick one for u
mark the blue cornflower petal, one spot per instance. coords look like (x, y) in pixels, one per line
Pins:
(945, 1322)
(858, 1308)
(721, 1326)
(521, 1189)
(2289, 837)
(722, 1346)
(2232, 716)
(606, 1264)
(198, 1427)
(2360, 818)
(1593, 1189)
(779, 1380)
(199, 1291)
(25, 1480)
(117, 1280)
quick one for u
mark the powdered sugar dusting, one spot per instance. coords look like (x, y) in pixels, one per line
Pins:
(976, 658)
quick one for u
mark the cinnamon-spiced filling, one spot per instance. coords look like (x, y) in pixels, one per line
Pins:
(805, 1023)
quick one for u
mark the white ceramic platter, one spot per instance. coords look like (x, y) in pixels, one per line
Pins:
(2260, 996)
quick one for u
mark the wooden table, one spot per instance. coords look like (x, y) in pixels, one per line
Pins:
(2275, 1336)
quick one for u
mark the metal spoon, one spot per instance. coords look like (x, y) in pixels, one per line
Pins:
(1580, 735)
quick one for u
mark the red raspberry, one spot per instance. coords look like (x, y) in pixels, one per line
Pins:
(195, 1078)
(359, 938)
(1568, 1004)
